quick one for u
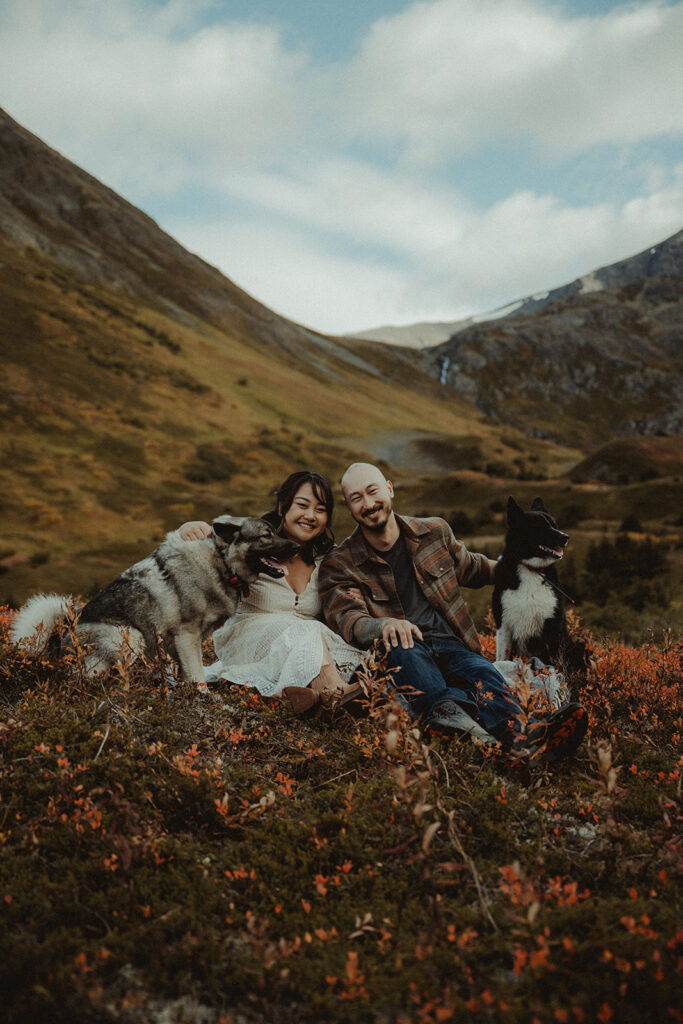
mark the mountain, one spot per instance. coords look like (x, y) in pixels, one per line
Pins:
(663, 258)
(418, 336)
(598, 358)
(141, 387)
(50, 206)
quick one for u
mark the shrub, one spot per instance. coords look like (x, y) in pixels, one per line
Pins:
(461, 522)
(185, 380)
(621, 567)
(212, 463)
(622, 559)
(570, 515)
(631, 524)
(497, 468)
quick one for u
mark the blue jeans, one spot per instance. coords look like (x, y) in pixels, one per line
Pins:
(443, 669)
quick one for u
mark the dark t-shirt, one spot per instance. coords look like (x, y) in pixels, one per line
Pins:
(417, 608)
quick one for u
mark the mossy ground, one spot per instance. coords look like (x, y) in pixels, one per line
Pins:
(168, 855)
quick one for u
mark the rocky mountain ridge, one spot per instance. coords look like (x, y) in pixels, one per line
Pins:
(611, 356)
(662, 258)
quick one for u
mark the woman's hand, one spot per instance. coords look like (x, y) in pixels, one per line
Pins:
(195, 530)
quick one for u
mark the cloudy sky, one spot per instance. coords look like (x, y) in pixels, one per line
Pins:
(361, 162)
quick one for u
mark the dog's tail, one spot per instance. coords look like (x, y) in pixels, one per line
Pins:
(34, 622)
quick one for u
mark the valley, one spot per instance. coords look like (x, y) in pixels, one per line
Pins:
(142, 388)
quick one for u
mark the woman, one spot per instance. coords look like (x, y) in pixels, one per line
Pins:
(276, 641)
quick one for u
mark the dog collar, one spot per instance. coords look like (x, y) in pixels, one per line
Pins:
(243, 587)
(550, 583)
(233, 579)
(533, 568)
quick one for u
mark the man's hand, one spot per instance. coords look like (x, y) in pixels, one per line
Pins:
(196, 530)
(395, 631)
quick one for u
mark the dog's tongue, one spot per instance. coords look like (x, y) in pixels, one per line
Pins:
(556, 552)
(277, 565)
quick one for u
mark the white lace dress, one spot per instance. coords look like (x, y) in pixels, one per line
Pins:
(274, 639)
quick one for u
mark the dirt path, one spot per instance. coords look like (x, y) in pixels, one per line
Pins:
(402, 450)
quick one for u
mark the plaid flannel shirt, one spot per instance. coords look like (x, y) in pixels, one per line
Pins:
(359, 593)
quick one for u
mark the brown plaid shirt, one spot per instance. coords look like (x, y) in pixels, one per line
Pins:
(358, 590)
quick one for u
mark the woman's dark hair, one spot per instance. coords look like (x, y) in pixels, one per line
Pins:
(284, 496)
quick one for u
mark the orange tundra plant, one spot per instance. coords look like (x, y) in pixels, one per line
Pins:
(165, 852)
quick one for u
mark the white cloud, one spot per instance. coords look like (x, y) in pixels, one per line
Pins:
(310, 283)
(138, 89)
(170, 104)
(469, 261)
(366, 205)
(443, 76)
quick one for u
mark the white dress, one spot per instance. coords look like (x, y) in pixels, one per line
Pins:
(274, 639)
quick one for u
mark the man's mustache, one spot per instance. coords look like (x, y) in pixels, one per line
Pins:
(371, 511)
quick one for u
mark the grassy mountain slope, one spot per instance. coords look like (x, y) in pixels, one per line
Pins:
(632, 459)
(119, 421)
(142, 387)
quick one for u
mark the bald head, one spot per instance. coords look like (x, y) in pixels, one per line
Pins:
(368, 497)
(360, 475)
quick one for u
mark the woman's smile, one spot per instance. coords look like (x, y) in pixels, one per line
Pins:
(306, 517)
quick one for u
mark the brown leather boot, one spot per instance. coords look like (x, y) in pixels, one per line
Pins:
(300, 699)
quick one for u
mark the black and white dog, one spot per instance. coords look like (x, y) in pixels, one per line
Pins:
(178, 594)
(528, 605)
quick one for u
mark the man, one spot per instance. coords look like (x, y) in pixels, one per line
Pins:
(398, 580)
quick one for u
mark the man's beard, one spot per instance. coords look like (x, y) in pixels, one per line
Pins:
(376, 525)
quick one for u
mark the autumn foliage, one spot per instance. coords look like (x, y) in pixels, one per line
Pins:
(168, 854)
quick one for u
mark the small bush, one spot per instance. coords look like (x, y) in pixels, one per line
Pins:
(570, 515)
(461, 523)
(212, 463)
(631, 524)
(633, 573)
(185, 380)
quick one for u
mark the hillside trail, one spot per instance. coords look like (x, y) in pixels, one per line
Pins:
(403, 450)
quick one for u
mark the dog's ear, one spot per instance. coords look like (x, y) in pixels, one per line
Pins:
(514, 513)
(538, 505)
(226, 527)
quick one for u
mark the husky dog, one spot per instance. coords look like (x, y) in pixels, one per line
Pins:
(178, 594)
(528, 606)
